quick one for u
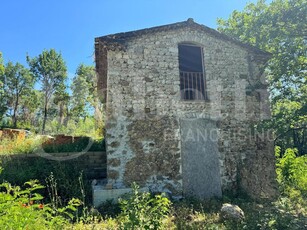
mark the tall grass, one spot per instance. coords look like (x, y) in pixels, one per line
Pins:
(16, 145)
(9, 146)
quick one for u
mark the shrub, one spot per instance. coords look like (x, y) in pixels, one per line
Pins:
(14, 145)
(24, 208)
(142, 211)
(292, 171)
(18, 171)
(109, 209)
(77, 146)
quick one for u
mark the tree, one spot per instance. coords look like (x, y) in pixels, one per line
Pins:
(85, 94)
(1, 65)
(17, 80)
(61, 99)
(81, 93)
(30, 109)
(279, 28)
(50, 70)
(3, 105)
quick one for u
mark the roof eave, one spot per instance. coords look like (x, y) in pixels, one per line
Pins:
(118, 40)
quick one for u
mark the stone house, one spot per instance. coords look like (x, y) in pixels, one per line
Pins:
(181, 104)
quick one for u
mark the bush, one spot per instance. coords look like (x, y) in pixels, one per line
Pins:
(24, 208)
(142, 211)
(18, 171)
(10, 146)
(292, 171)
(78, 146)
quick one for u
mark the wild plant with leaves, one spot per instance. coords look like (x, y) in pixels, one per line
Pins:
(142, 211)
(279, 27)
(23, 208)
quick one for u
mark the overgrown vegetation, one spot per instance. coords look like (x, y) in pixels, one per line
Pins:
(76, 127)
(279, 27)
(20, 169)
(144, 210)
(23, 208)
(26, 208)
(10, 146)
(292, 172)
(84, 143)
(67, 174)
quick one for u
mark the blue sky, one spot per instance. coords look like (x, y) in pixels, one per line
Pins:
(71, 26)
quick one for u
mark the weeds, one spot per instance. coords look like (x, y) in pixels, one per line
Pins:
(23, 208)
(142, 211)
(9, 146)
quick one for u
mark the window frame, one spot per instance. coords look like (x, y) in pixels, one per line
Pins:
(203, 72)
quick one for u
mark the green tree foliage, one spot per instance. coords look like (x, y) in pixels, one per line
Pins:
(2, 94)
(279, 28)
(18, 82)
(28, 105)
(82, 90)
(291, 171)
(1, 64)
(62, 99)
(50, 70)
(85, 94)
(30, 109)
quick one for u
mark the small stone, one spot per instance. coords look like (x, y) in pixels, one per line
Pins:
(124, 83)
(112, 174)
(232, 212)
(147, 79)
(109, 186)
(94, 182)
(114, 162)
(114, 144)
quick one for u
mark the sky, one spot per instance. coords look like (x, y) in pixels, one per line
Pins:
(29, 27)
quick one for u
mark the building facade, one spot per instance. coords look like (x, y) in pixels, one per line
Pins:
(182, 101)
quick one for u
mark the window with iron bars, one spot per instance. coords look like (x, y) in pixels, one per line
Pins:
(192, 74)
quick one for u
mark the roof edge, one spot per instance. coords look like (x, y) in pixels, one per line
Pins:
(117, 40)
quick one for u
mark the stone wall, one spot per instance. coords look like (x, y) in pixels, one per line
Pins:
(143, 133)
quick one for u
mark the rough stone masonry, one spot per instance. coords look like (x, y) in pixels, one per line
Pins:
(155, 137)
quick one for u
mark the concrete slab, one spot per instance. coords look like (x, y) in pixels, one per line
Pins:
(101, 194)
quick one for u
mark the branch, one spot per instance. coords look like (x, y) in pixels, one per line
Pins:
(289, 130)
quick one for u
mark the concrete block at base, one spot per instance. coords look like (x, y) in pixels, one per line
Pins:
(101, 194)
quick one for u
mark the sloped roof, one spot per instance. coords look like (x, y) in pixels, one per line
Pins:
(118, 40)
